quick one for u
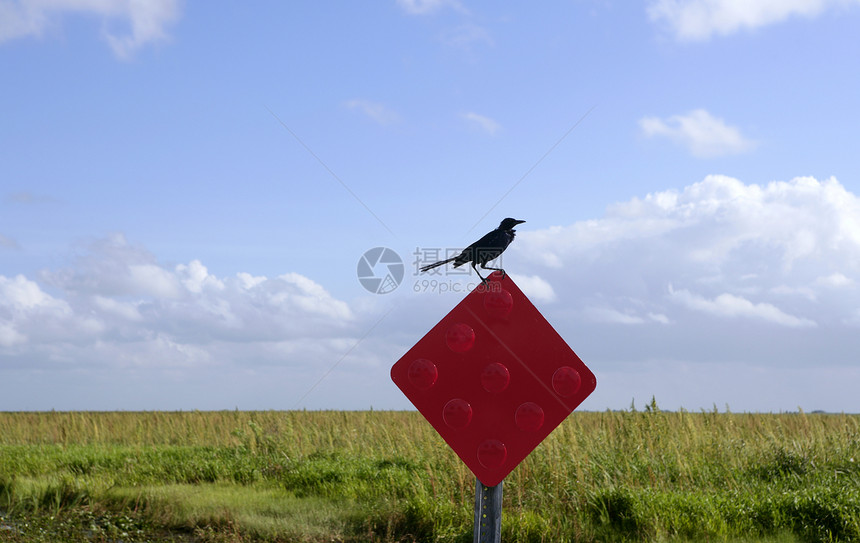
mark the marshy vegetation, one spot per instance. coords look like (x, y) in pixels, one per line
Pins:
(387, 476)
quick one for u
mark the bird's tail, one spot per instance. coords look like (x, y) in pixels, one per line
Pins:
(436, 264)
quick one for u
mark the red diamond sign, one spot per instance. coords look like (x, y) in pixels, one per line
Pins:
(493, 378)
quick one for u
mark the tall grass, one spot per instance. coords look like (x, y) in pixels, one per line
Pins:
(387, 476)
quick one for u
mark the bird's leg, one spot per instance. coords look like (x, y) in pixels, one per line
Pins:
(484, 265)
(483, 279)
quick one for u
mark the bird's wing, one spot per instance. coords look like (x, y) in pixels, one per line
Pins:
(485, 249)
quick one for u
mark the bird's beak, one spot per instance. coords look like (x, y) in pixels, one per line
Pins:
(520, 222)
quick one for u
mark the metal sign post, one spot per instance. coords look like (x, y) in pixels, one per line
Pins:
(488, 513)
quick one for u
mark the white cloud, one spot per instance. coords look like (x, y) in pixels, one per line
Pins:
(29, 315)
(703, 134)
(195, 277)
(147, 21)
(124, 310)
(658, 317)
(730, 305)
(485, 124)
(9, 336)
(702, 19)
(719, 274)
(609, 315)
(536, 287)
(248, 281)
(311, 297)
(612, 316)
(785, 253)
(835, 280)
(376, 111)
(116, 306)
(20, 294)
(152, 280)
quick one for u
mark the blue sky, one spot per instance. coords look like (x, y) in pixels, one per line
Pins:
(186, 191)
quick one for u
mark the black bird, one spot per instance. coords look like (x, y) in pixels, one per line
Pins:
(484, 250)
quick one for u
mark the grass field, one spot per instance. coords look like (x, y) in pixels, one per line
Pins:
(387, 476)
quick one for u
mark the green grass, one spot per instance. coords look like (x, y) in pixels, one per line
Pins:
(268, 513)
(387, 476)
